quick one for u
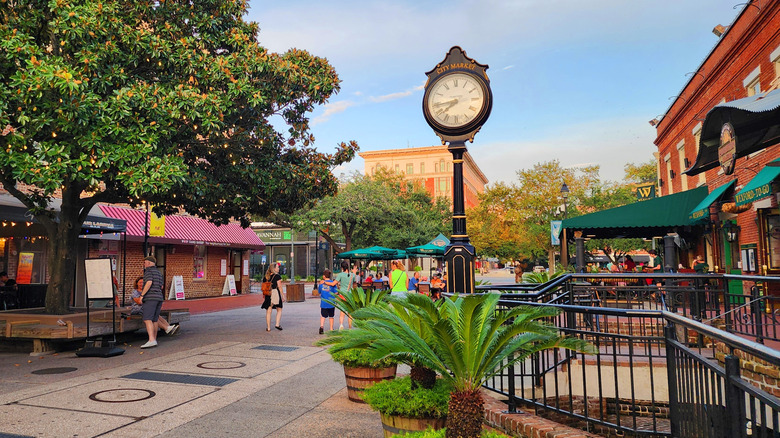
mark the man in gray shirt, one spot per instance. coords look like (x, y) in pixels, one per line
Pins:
(152, 296)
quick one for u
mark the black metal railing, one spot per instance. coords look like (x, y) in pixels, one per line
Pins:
(659, 371)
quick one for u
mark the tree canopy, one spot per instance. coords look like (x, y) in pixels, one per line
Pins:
(381, 209)
(512, 221)
(169, 102)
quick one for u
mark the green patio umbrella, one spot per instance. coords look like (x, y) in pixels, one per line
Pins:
(435, 247)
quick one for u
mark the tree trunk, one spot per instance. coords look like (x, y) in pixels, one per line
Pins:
(62, 254)
(466, 414)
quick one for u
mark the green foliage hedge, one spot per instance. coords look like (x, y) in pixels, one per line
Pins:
(359, 358)
(396, 397)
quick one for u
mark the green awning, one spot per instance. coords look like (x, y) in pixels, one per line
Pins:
(701, 212)
(759, 187)
(653, 217)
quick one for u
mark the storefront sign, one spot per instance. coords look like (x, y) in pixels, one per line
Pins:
(763, 191)
(230, 286)
(645, 191)
(727, 151)
(177, 288)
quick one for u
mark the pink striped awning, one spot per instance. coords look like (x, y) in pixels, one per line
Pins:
(186, 230)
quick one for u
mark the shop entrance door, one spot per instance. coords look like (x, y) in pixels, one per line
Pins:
(730, 257)
(235, 268)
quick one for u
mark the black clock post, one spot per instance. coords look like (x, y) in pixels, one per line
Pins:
(456, 104)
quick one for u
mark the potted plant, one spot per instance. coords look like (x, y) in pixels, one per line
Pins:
(361, 370)
(407, 409)
(463, 338)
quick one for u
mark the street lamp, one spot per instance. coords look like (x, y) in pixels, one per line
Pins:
(564, 242)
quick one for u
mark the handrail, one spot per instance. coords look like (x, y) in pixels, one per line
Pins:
(742, 344)
(748, 303)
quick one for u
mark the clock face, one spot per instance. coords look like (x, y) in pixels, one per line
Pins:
(455, 100)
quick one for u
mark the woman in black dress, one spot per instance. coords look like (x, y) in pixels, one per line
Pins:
(274, 301)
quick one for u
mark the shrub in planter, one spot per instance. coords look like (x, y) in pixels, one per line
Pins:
(360, 371)
(405, 409)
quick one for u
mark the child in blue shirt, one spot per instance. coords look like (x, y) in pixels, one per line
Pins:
(328, 290)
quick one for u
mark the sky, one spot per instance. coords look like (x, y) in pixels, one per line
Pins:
(572, 80)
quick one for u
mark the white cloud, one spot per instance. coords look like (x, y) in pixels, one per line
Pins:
(331, 109)
(508, 67)
(391, 96)
(607, 143)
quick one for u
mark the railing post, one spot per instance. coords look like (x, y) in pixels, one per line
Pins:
(726, 304)
(756, 308)
(510, 374)
(671, 377)
(735, 399)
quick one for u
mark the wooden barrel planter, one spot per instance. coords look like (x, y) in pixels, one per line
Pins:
(361, 378)
(395, 425)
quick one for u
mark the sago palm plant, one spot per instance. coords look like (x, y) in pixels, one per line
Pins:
(466, 339)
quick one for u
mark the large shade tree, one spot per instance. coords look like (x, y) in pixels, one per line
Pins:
(380, 209)
(166, 101)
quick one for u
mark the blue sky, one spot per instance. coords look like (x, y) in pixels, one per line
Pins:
(572, 80)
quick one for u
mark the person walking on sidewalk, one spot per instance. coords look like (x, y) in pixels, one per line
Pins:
(273, 301)
(137, 309)
(347, 280)
(152, 299)
(327, 290)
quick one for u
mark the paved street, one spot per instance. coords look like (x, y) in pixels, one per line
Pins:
(222, 375)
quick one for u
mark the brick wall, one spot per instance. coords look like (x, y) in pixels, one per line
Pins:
(179, 261)
(747, 45)
(754, 370)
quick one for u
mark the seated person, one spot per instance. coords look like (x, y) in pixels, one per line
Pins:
(436, 282)
(369, 279)
(413, 281)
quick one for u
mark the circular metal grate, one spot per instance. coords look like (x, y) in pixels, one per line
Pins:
(60, 370)
(221, 365)
(123, 395)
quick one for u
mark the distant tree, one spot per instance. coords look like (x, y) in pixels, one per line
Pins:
(169, 102)
(381, 209)
(641, 173)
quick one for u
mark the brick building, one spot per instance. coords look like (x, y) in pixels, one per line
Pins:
(202, 253)
(745, 63)
(432, 167)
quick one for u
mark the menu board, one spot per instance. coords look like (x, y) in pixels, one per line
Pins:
(99, 284)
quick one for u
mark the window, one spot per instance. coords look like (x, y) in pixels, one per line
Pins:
(696, 138)
(752, 83)
(681, 157)
(199, 262)
(397, 168)
(774, 58)
(422, 167)
(441, 165)
(773, 240)
(435, 167)
(667, 161)
(409, 169)
(444, 185)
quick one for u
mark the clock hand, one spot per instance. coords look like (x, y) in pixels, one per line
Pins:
(449, 103)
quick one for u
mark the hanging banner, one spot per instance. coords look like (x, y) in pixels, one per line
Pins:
(156, 224)
(555, 231)
(177, 288)
(24, 271)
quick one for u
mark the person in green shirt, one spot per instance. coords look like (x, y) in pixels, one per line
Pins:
(346, 281)
(398, 278)
(700, 266)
